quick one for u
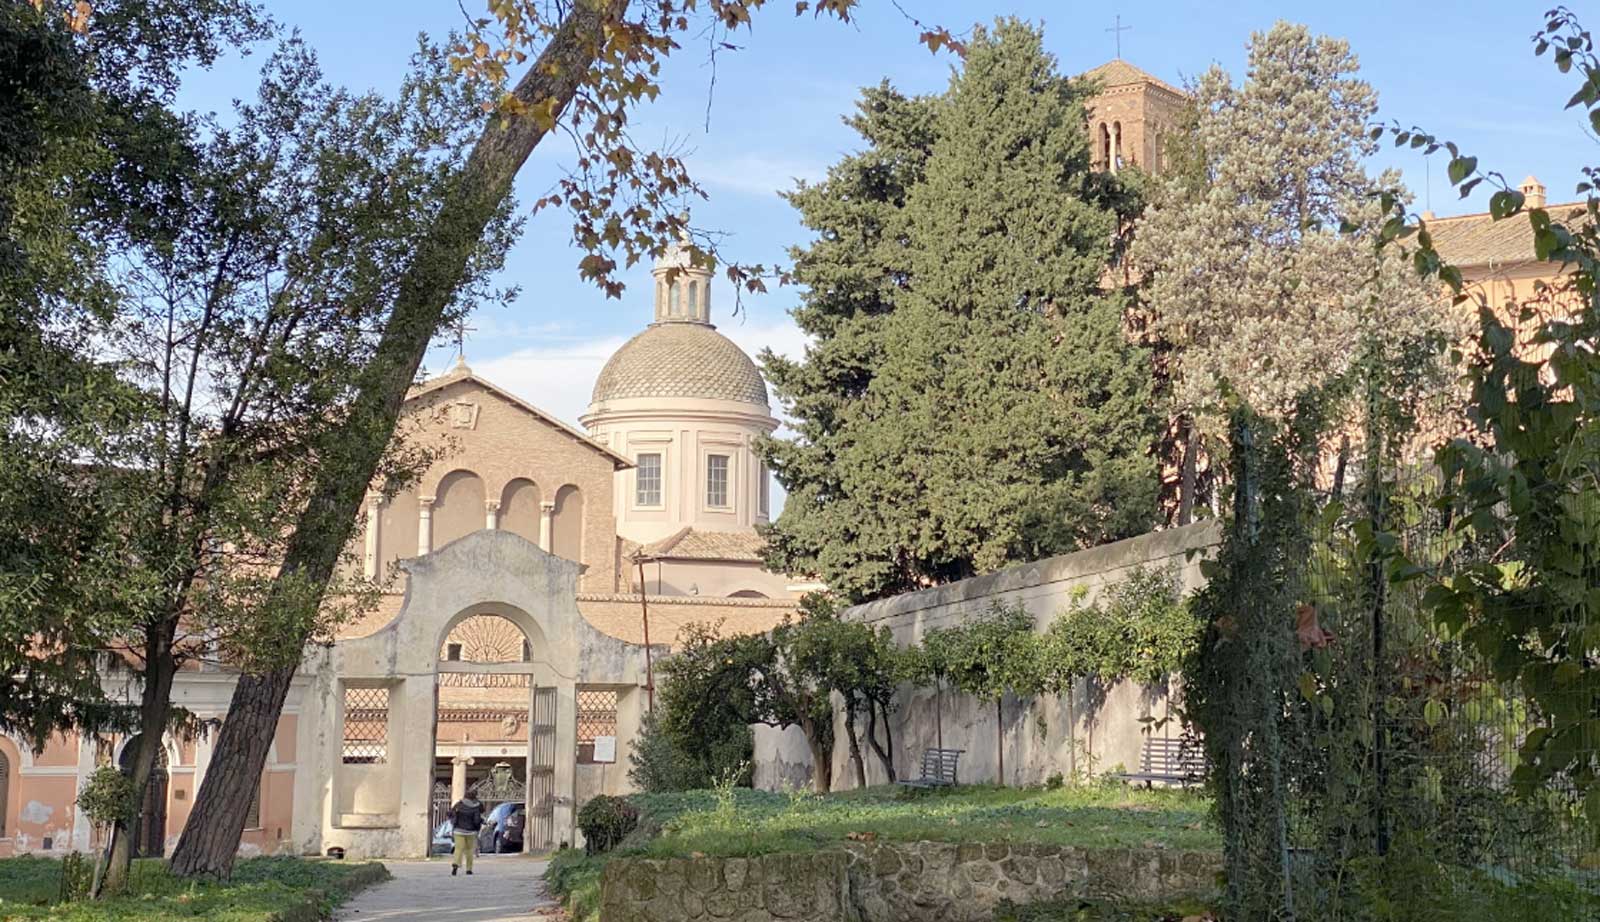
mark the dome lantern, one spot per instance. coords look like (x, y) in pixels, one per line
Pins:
(686, 297)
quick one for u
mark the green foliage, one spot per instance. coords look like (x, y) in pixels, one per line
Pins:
(573, 877)
(943, 428)
(606, 820)
(1140, 629)
(108, 796)
(1411, 885)
(660, 761)
(704, 708)
(260, 889)
(1090, 816)
(990, 655)
(1525, 481)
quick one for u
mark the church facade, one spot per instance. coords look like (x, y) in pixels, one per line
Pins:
(520, 572)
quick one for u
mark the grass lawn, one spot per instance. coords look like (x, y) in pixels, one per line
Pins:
(743, 822)
(1089, 816)
(29, 888)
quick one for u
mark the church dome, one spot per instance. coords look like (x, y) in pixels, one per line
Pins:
(681, 360)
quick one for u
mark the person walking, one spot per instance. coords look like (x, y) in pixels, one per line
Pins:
(466, 819)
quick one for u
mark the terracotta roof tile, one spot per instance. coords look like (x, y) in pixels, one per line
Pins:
(1120, 73)
(681, 360)
(1479, 240)
(692, 544)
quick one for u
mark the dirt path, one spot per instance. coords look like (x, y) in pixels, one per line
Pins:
(503, 889)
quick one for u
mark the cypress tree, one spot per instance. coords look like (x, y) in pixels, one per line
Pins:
(1005, 414)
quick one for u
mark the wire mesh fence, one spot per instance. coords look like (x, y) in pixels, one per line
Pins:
(1370, 755)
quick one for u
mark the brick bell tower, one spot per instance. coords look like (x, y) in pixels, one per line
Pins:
(1130, 118)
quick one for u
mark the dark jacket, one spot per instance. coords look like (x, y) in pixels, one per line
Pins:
(467, 815)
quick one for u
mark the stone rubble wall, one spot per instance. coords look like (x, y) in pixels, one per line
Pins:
(794, 888)
(893, 882)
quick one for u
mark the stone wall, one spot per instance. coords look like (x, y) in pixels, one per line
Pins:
(795, 888)
(912, 882)
(1095, 729)
(893, 882)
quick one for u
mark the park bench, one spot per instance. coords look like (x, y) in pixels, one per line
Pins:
(1168, 761)
(938, 769)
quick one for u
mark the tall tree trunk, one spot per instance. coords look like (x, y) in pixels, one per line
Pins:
(1000, 736)
(211, 835)
(821, 758)
(885, 751)
(855, 744)
(155, 710)
(1186, 472)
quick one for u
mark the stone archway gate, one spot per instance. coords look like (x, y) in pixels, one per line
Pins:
(378, 799)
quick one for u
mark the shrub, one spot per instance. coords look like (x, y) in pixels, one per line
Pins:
(660, 764)
(604, 821)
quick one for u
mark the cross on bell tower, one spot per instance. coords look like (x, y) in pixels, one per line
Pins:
(459, 331)
(1117, 31)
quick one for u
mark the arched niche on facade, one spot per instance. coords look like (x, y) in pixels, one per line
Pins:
(491, 635)
(397, 530)
(566, 526)
(458, 507)
(519, 509)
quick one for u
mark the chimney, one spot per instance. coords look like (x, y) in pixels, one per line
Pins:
(1532, 193)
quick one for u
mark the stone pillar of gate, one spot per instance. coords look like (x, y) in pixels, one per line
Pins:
(458, 778)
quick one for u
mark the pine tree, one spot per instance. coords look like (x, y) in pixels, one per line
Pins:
(1252, 273)
(1005, 414)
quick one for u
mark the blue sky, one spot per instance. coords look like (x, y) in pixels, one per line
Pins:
(774, 115)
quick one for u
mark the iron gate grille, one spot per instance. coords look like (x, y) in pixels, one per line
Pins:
(542, 772)
(597, 716)
(366, 725)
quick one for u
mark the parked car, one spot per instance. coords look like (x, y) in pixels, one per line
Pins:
(443, 842)
(502, 828)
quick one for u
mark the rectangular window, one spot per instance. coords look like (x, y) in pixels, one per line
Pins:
(366, 725)
(597, 716)
(647, 480)
(717, 480)
(762, 502)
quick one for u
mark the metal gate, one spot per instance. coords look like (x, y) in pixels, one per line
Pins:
(542, 772)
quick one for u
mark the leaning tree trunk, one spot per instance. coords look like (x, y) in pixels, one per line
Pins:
(885, 750)
(211, 835)
(855, 744)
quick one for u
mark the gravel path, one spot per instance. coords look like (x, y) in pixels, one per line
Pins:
(502, 889)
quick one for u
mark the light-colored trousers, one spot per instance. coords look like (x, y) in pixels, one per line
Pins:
(466, 845)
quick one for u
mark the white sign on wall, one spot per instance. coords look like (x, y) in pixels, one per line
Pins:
(605, 749)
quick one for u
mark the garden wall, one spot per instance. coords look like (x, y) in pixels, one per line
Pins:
(1093, 730)
(893, 882)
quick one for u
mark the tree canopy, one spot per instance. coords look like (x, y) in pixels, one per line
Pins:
(973, 396)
